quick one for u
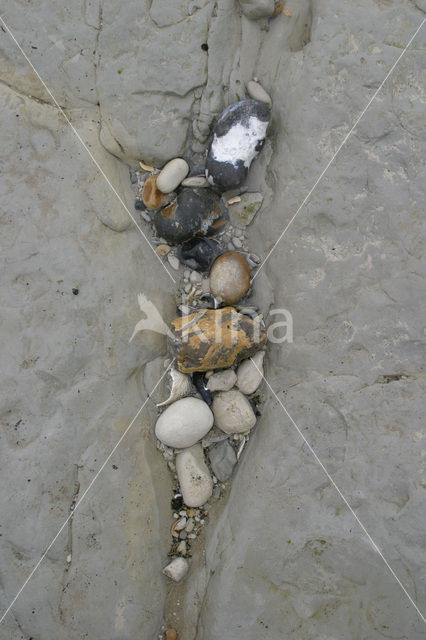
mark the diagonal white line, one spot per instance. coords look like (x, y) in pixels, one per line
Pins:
(318, 460)
(342, 144)
(95, 162)
(80, 500)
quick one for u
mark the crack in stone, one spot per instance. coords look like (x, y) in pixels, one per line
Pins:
(68, 548)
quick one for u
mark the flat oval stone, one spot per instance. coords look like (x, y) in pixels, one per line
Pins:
(222, 380)
(199, 253)
(232, 412)
(230, 277)
(257, 92)
(194, 212)
(237, 139)
(249, 375)
(222, 459)
(194, 477)
(196, 182)
(184, 423)
(151, 197)
(172, 174)
(214, 339)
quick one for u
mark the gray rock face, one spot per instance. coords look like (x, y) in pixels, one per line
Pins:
(285, 551)
(70, 389)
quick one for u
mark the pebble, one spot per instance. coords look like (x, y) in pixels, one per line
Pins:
(173, 261)
(180, 387)
(194, 477)
(213, 339)
(162, 249)
(146, 216)
(193, 212)
(188, 288)
(172, 175)
(184, 423)
(181, 548)
(253, 260)
(190, 525)
(237, 139)
(248, 376)
(199, 253)
(222, 380)
(171, 634)
(151, 196)
(195, 277)
(177, 569)
(237, 242)
(257, 92)
(196, 182)
(242, 214)
(223, 459)
(233, 412)
(199, 381)
(230, 277)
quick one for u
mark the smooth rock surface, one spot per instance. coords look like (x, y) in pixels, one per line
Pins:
(223, 459)
(242, 213)
(194, 476)
(184, 423)
(250, 373)
(229, 277)
(172, 174)
(256, 9)
(222, 380)
(233, 412)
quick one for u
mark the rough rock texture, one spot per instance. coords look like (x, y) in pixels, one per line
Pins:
(285, 552)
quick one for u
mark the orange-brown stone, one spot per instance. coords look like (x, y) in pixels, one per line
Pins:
(151, 195)
(214, 339)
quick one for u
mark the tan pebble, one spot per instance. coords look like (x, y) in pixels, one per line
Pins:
(162, 249)
(234, 200)
(191, 513)
(230, 277)
(171, 634)
(146, 167)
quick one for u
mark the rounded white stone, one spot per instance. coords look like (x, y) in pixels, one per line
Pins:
(232, 412)
(257, 92)
(194, 476)
(173, 261)
(196, 182)
(176, 569)
(222, 380)
(249, 375)
(172, 175)
(184, 423)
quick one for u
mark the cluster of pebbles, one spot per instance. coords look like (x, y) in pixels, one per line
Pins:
(217, 341)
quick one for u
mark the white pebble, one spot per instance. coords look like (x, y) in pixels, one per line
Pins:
(146, 216)
(237, 242)
(173, 261)
(195, 277)
(184, 423)
(176, 569)
(222, 380)
(196, 182)
(257, 92)
(232, 412)
(172, 175)
(194, 477)
(249, 375)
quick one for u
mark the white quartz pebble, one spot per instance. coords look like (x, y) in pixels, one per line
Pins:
(196, 182)
(176, 569)
(184, 423)
(171, 175)
(173, 261)
(233, 412)
(249, 375)
(194, 477)
(257, 92)
(222, 380)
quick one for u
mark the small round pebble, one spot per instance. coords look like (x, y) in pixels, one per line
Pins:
(229, 277)
(172, 175)
(176, 569)
(257, 92)
(233, 412)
